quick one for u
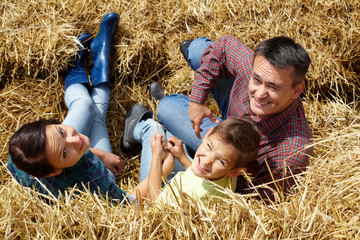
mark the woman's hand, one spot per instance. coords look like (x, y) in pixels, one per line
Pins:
(111, 161)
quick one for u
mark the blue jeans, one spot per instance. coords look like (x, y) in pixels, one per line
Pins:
(173, 109)
(87, 112)
(143, 132)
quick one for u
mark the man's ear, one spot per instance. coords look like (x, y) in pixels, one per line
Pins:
(54, 173)
(235, 172)
(208, 133)
(298, 90)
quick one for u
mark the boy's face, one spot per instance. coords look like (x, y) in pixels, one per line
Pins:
(64, 145)
(214, 158)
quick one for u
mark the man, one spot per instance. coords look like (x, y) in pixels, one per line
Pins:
(265, 85)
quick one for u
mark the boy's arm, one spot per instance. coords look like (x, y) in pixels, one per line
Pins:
(141, 191)
(175, 146)
(111, 161)
(158, 155)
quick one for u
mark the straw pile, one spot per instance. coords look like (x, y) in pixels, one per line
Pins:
(38, 41)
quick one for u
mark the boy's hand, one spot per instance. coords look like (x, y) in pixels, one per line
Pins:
(113, 162)
(157, 147)
(175, 146)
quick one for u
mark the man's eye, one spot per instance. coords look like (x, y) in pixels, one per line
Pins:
(272, 87)
(62, 132)
(64, 153)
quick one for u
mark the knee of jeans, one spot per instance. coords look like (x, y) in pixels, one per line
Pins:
(164, 106)
(87, 103)
(83, 102)
(168, 104)
(196, 50)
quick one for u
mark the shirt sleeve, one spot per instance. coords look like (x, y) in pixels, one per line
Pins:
(223, 57)
(280, 180)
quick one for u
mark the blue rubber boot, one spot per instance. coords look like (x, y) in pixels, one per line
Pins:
(77, 74)
(102, 49)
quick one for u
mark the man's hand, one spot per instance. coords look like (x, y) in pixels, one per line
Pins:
(197, 112)
(111, 161)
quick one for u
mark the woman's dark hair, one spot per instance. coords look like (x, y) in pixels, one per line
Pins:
(27, 148)
(284, 52)
(243, 135)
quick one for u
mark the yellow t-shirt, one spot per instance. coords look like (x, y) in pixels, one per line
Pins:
(194, 186)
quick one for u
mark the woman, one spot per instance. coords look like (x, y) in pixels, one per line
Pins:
(78, 151)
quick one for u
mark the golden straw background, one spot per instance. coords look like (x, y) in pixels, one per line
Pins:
(38, 42)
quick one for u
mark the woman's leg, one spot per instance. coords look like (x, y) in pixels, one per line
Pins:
(98, 135)
(80, 107)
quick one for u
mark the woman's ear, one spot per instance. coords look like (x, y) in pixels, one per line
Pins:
(54, 173)
(235, 172)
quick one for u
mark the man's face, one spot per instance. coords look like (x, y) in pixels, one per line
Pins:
(270, 88)
(64, 145)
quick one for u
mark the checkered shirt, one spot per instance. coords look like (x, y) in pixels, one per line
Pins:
(284, 136)
(89, 172)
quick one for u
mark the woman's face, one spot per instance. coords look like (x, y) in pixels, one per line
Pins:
(64, 145)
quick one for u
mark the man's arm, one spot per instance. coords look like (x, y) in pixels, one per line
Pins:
(222, 58)
(281, 179)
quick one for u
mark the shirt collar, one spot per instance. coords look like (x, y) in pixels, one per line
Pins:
(267, 125)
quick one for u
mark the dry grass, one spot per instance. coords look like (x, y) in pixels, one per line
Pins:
(38, 41)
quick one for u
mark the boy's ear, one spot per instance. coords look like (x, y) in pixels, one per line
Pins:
(208, 132)
(235, 172)
(54, 173)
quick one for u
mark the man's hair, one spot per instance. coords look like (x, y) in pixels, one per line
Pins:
(27, 148)
(243, 135)
(283, 52)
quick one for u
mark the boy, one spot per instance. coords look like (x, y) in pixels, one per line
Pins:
(223, 155)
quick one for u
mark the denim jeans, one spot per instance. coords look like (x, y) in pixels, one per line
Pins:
(87, 112)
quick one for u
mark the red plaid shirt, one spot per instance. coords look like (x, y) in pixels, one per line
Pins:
(284, 135)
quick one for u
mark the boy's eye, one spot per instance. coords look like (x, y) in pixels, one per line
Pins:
(62, 132)
(208, 145)
(222, 162)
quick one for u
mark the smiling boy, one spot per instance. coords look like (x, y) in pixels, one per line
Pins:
(223, 155)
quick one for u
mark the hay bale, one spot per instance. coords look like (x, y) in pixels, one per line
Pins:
(38, 42)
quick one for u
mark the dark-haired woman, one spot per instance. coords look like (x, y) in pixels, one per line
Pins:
(54, 157)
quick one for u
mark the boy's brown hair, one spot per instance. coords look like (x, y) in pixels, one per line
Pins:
(243, 135)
